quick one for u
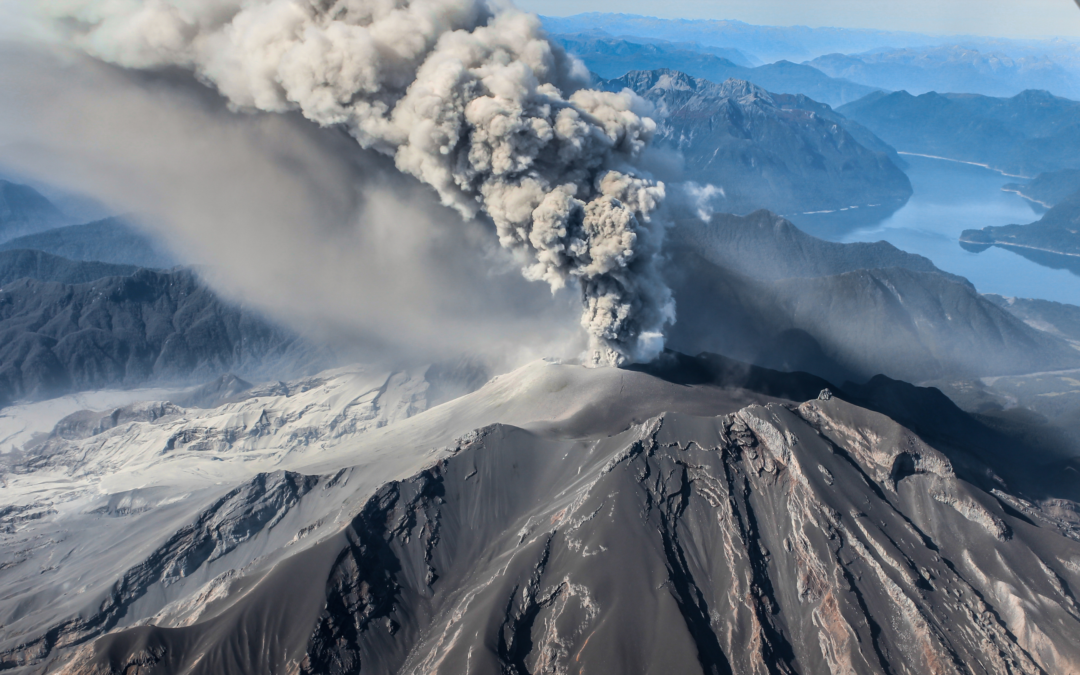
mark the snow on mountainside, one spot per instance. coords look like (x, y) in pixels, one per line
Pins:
(144, 480)
(146, 443)
(21, 424)
(134, 475)
(708, 517)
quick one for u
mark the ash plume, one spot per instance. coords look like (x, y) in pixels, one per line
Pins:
(467, 96)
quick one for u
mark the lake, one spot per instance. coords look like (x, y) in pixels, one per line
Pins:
(950, 198)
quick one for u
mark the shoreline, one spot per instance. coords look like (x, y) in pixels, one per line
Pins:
(964, 161)
(1030, 199)
(1013, 245)
(854, 207)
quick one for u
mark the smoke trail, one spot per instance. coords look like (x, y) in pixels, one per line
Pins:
(467, 97)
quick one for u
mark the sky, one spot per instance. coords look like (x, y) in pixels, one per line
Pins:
(1001, 18)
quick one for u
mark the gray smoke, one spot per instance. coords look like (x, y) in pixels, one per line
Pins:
(465, 95)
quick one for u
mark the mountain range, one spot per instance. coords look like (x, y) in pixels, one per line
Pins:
(602, 46)
(615, 57)
(756, 288)
(1031, 133)
(801, 43)
(836, 78)
(764, 150)
(1056, 318)
(950, 68)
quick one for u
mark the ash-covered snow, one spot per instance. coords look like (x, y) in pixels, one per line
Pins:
(19, 424)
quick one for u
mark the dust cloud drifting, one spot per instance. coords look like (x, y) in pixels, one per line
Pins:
(293, 219)
(467, 96)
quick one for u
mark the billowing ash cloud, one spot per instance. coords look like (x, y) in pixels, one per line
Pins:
(466, 96)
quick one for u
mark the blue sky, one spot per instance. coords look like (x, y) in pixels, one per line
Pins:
(1003, 18)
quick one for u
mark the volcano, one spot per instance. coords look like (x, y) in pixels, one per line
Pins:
(694, 515)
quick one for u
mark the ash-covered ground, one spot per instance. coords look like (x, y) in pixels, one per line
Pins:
(695, 516)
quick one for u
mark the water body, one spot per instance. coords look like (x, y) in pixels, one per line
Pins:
(949, 198)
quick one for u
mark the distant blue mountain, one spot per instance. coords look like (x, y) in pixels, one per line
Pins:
(24, 210)
(614, 57)
(1001, 62)
(799, 43)
(615, 47)
(1027, 134)
(786, 153)
(111, 240)
(769, 43)
(951, 68)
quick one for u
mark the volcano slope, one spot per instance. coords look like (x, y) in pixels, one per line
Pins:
(700, 516)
